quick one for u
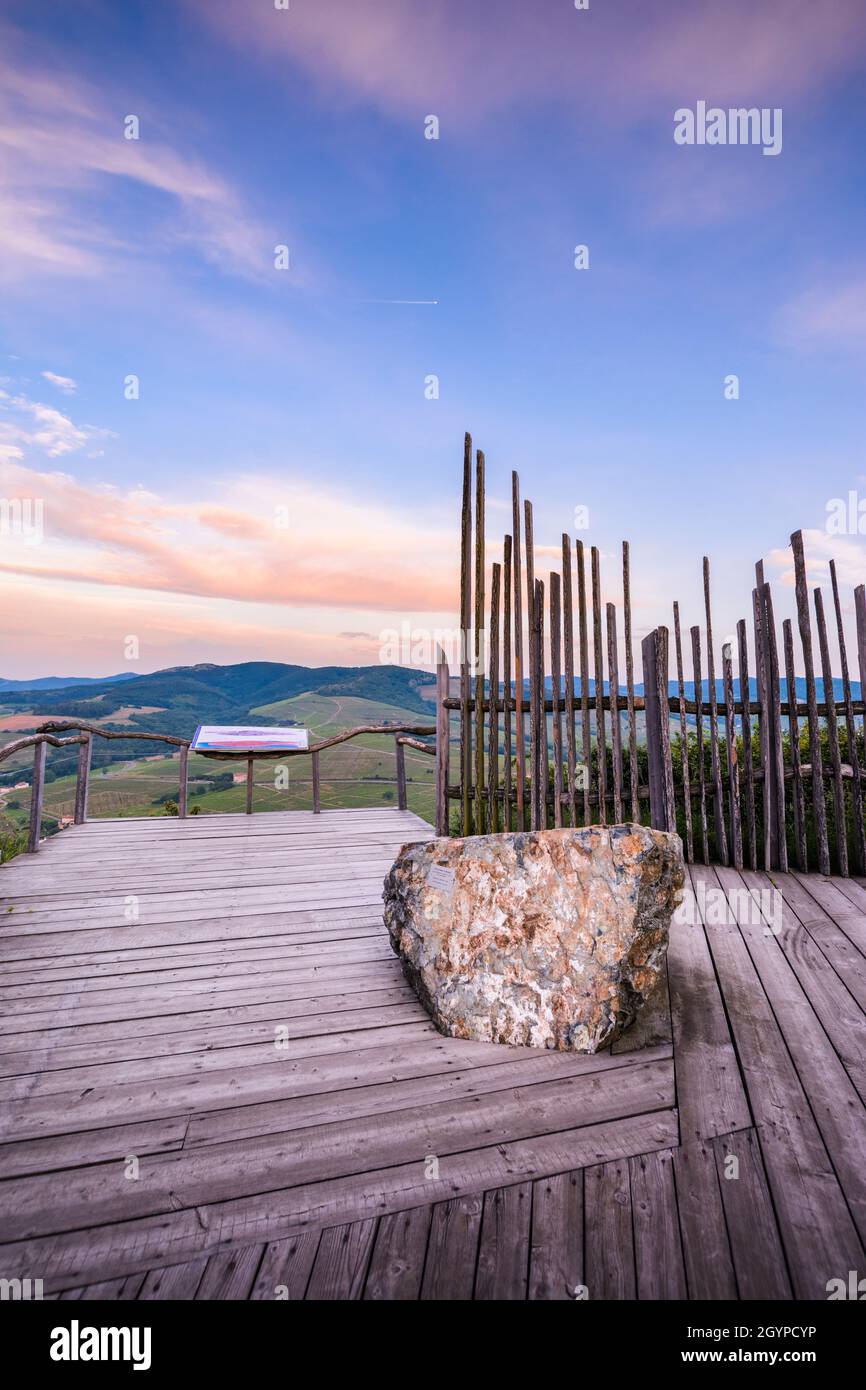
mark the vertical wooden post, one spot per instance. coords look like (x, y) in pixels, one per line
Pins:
(695, 634)
(249, 786)
(654, 651)
(183, 782)
(506, 683)
(317, 788)
(733, 765)
(629, 685)
(556, 694)
(746, 722)
(850, 731)
(832, 736)
(519, 726)
(819, 810)
(598, 671)
(37, 792)
(684, 736)
(479, 642)
(586, 737)
(715, 761)
(492, 706)
(400, 757)
(615, 722)
(568, 647)
(780, 840)
(465, 625)
(442, 745)
(536, 716)
(82, 781)
(799, 802)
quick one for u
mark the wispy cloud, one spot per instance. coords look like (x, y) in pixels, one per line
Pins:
(27, 425)
(63, 149)
(63, 383)
(829, 315)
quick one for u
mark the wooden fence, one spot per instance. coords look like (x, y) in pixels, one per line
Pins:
(550, 734)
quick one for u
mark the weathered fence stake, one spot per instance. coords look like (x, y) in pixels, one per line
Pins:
(568, 642)
(37, 792)
(519, 725)
(818, 808)
(699, 719)
(443, 723)
(82, 780)
(184, 783)
(493, 699)
(850, 730)
(684, 737)
(832, 736)
(799, 800)
(629, 685)
(317, 799)
(465, 624)
(250, 785)
(400, 759)
(615, 721)
(654, 650)
(586, 736)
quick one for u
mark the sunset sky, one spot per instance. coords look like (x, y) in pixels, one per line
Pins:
(282, 488)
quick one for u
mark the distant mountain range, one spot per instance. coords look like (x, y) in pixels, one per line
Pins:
(181, 697)
(60, 682)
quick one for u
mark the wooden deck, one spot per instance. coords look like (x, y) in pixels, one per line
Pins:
(215, 1083)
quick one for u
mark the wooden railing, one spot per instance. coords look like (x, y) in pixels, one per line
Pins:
(46, 735)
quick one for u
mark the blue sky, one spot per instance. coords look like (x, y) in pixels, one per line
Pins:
(304, 389)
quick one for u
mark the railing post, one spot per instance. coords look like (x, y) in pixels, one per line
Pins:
(317, 804)
(400, 754)
(36, 793)
(249, 786)
(183, 776)
(442, 740)
(654, 650)
(82, 781)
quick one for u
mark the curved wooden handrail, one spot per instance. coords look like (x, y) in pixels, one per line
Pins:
(32, 739)
(57, 725)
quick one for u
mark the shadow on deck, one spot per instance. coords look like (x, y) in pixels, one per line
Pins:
(217, 1084)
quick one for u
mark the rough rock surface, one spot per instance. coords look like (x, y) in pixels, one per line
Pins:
(553, 938)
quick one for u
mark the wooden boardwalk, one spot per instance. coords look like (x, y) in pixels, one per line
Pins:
(215, 1083)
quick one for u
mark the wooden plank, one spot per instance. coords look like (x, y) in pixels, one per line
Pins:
(340, 1266)
(397, 1263)
(503, 1250)
(715, 765)
(465, 629)
(684, 738)
(598, 670)
(492, 716)
(609, 1233)
(814, 1219)
(840, 823)
(556, 1252)
(819, 813)
(746, 729)
(699, 720)
(175, 1283)
(480, 628)
(556, 695)
(568, 634)
(231, 1274)
(285, 1268)
(710, 1093)
(756, 1247)
(850, 733)
(657, 1245)
(706, 1248)
(629, 685)
(110, 1251)
(519, 725)
(449, 1272)
(615, 720)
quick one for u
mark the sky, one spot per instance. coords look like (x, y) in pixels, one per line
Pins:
(280, 480)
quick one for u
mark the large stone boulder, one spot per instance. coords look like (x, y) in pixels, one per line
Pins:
(553, 938)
